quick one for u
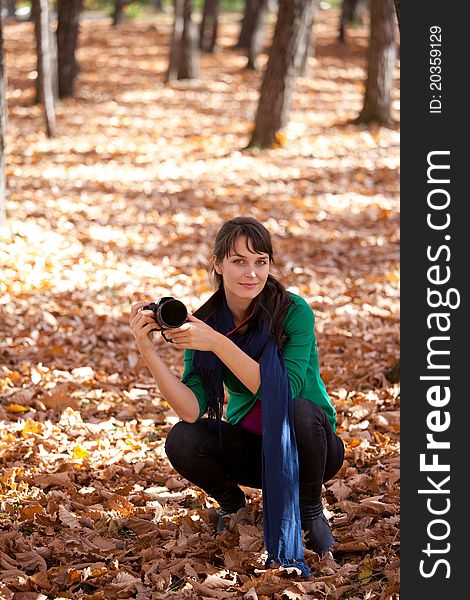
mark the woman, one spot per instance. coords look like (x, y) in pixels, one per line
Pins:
(258, 340)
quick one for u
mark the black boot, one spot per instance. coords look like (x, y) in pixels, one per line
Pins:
(314, 523)
(230, 498)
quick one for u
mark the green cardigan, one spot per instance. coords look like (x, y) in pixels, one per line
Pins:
(301, 358)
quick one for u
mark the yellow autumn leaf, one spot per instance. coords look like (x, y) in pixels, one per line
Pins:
(280, 138)
(15, 376)
(382, 439)
(79, 453)
(17, 408)
(392, 276)
(132, 443)
(354, 442)
(365, 574)
(31, 426)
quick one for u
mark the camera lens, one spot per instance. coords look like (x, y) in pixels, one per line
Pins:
(173, 313)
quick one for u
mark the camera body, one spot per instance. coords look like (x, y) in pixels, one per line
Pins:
(168, 312)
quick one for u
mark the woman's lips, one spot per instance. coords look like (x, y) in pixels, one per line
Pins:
(249, 285)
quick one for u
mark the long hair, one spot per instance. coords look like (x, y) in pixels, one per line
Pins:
(273, 301)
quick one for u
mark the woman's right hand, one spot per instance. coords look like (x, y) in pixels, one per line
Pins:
(142, 323)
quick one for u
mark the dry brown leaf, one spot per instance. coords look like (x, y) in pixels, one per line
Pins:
(60, 398)
(140, 526)
(31, 561)
(68, 518)
(61, 480)
(250, 538)
(41, 579)
(340, 489)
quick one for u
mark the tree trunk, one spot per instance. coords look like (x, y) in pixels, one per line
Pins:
(255, 42)
(44, 47)
(157, 5)
(309, 44)
(352, 13)
(397, 9)
(285, 57)
(118, 13)
(209, 25)
(382, 54)
(248, 23)
(3, 126)
(39, 98)
(11, 7)
(68, 19)
(183, 62)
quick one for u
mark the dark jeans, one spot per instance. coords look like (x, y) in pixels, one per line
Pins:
(194, 451)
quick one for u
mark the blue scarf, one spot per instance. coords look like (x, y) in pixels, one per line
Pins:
(280, 467)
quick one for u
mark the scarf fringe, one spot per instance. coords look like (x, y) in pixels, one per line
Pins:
(286, 562)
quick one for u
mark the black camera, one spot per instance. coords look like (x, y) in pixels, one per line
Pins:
(168, 312)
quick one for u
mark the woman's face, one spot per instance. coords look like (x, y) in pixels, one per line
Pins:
(244, 272)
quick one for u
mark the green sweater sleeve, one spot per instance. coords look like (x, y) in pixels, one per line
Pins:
(195, 384)
(298, 326)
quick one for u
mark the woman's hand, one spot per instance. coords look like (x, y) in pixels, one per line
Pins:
(193, 335)
(142, 323)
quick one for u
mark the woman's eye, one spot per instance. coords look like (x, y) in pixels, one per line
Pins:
(240, 261)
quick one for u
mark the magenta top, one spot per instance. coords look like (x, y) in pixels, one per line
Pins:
(253, 420)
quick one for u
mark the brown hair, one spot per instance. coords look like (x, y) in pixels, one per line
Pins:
(273, 301)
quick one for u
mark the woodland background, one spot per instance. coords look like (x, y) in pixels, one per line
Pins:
(122, 205)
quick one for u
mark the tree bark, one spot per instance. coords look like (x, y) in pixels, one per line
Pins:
(209, 25)
(249, 22)
(397, 9)
(309, 44)
(118, 13)
(285, 58)
(255, 42)
(183, 62)
(382, 55)
(68, 19)
(39, 98)
(11, 7)
(352, 12)
(3, 126)
(45, 53)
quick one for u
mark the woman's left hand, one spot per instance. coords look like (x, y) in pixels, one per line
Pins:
(193, 335)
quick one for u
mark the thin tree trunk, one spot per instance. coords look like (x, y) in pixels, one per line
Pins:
(285, 58)
(52, 45)
(157, 5)
(11, 7)
(352, 13)
(68, 19)
(382, 55)
(309, 44)
(118, 13)
(255, 42)
(44, 54)
(248, 23)
(183, 62)
(397, 9)
(209, 25)
(3, 126)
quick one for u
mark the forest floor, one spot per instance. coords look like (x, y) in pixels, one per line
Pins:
(122, 205)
